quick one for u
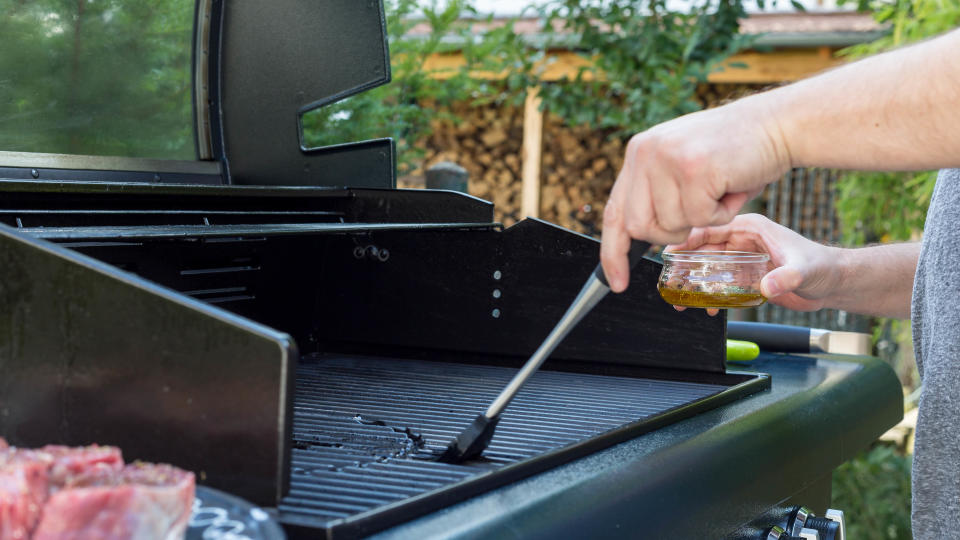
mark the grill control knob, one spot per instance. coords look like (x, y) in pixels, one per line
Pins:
(837, 515)
(798, 520)
(776, 533)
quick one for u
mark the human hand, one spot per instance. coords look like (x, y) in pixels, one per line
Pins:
(802, 273)
(693, 171)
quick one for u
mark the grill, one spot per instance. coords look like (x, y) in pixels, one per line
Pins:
(286, 324)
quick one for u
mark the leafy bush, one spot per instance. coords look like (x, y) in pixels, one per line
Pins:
(646, 59)
(873, 490)
(878, 206)
(648, 56)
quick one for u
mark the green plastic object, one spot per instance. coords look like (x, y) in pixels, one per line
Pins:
(741, 351)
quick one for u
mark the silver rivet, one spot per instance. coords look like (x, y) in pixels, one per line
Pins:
(497, 275)
(34, 173)
(496, 293)
(496, 314)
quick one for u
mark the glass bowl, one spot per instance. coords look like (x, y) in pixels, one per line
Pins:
(713, 279)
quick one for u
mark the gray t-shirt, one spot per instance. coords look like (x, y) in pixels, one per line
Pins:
(936, 340)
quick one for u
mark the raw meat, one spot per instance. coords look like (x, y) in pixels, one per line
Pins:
(72, 465)
(141, 501)
(86, 492)
(23, 490)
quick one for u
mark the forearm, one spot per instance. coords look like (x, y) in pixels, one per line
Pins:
(876, 280)
(895, 111)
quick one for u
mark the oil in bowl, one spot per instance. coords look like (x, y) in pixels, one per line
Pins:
(713, 279)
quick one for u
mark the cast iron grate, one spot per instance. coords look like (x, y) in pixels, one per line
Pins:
(366, 430)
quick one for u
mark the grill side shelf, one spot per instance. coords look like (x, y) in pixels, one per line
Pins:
(93, 354)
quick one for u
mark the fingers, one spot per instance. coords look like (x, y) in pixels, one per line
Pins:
(710, 311)
(614, 246)
(705, 238)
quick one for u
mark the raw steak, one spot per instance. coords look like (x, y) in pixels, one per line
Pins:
(23, 490)
(71, 465)
(141, 501)
(86, 492)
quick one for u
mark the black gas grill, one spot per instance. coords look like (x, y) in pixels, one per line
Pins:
(289, 326)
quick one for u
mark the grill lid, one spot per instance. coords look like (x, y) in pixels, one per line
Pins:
(271, 62)
(257, 68)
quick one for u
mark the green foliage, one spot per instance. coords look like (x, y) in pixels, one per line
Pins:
(648, 58)
(110, 77)
(909, 20)
(883, 207)
(874, 492)
(891, 206)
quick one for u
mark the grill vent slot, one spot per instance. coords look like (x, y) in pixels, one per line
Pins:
(225, 281)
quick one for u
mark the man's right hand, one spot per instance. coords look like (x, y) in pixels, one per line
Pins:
(803, 274)
(693, 171)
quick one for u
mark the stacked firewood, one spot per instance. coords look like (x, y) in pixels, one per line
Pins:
(577, 169)
(487, 142)
(578, 165)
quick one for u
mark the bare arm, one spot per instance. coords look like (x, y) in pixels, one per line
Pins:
(895, 111)
(898, 110)
(806, 276)
(877, 280)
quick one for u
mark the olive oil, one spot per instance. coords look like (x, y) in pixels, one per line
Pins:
(702, 299)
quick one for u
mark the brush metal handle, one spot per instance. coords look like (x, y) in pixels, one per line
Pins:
(592, 292)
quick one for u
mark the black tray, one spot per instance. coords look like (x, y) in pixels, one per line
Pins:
(217, 515)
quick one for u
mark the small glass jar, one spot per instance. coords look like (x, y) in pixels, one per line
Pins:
(713, 279)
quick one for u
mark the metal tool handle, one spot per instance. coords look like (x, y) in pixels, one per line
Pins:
(592, 292)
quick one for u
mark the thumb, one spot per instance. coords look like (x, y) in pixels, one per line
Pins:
(780, 281)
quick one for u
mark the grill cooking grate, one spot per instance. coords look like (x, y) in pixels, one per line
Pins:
(366, 430)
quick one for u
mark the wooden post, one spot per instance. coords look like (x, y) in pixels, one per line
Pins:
(532, 150)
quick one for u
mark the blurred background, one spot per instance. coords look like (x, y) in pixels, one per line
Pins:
(534, 101)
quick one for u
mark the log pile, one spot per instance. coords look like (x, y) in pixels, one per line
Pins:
(578, 168)
(487, 143)
(578, 164)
